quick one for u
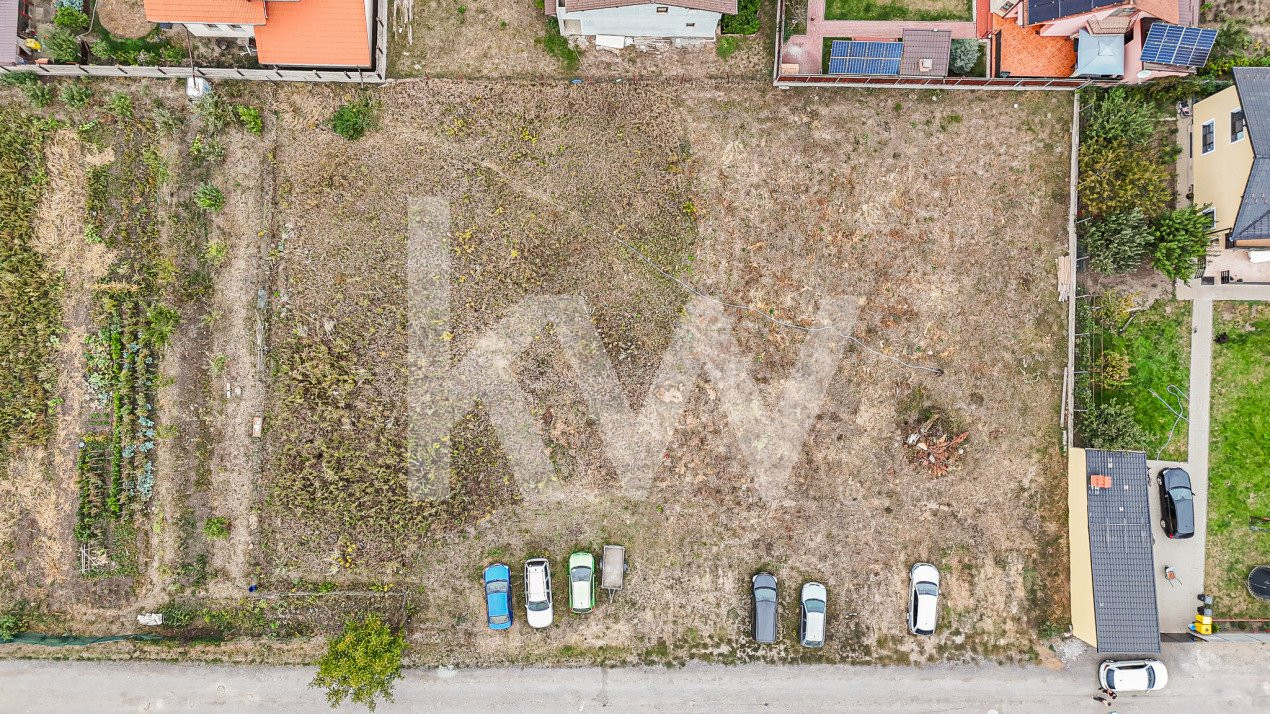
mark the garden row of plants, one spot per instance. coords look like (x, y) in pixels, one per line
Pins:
(30, 316)
(1128, 152)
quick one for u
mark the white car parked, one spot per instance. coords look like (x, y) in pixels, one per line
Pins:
(923, 599)
(811, 626)
(1137, 675)
(538, 610)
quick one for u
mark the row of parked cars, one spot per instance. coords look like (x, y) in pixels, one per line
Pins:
(923, 606)
(539, 608)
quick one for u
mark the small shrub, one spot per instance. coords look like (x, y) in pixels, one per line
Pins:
(963, 56)
(61, 44)
(120, 105)
(39, 94)
(214, 112)
(206, 149)
(1112, 426)
(744, 22)
(725, 47)
(209, 198)
(19, 79)
(1114, 370)
(175, 615)
(1181, 242)
(557, 45)
(1114, 309)
(76, 95)
(173, 54)
(1117, 243)
(161, 322)
(14, 622)
(249, 118)
(216, 253)
(216, 527)
(353, 119)
(71, 19)
(361, 664)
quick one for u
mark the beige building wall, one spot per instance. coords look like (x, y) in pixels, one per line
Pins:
(1082, 569)
(1220, 175)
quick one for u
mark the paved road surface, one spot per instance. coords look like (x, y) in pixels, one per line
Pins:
(1203, 678)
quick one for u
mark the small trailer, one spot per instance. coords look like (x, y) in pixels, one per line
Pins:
(613, 569)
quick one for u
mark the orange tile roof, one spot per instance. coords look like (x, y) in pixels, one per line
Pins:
(1024, 53)
(315, 33)
(230, 12)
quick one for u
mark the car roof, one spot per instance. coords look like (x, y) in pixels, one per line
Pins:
(765, 620)
(1132, 677)
(815, 627)
(497, 603)
(926, 607)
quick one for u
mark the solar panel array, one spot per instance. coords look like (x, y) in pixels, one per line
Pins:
(1179, 46)
(847, 57)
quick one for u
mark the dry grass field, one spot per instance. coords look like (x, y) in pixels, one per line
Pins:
(939, 214)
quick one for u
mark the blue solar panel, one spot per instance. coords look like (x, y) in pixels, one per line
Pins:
(847, 57)
(1179, 46)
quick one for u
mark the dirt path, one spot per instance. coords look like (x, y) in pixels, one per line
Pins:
(42, 479)
(238, 391)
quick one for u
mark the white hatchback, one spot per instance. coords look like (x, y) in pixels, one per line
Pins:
(1135, 675)
(538, 610)
(923, 599)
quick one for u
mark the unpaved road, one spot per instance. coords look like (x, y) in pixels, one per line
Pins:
(1203, 678)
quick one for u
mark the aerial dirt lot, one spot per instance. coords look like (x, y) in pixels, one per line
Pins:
(939, 214)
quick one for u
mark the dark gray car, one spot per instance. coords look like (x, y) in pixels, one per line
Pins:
(764, 607)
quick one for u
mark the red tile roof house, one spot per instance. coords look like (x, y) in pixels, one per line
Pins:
(1026, 38)
(620, 23)
(291, 33)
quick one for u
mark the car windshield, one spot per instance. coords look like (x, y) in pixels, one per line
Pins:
(536, 605)
(580, 574)
(814, 605)
(1180, 494)
(927, 589)
(1150, 677)
(765, 594)
(498, 619)
(498, 586)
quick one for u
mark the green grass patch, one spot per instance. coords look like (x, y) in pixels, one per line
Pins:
(557, 45)
(1239, 463)
(1157, 342)
(870, 10)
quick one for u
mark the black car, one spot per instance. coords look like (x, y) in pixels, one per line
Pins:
(764, 607)
(1177, 503)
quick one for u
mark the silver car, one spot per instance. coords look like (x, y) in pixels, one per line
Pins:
(538, 608)
(811, 626)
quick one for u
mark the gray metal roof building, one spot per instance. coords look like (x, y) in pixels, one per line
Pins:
(1121, 555)
(926, 53)
(1253, 220)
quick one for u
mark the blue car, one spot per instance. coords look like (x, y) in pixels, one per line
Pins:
(498, 596)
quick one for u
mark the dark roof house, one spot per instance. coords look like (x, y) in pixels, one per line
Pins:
(1121, 552)
(1252, 223)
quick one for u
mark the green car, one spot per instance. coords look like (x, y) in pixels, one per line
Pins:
(581, 582)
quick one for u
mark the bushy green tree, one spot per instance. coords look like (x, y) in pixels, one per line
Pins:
(1181, 240)
(1116, 243)
(1117, 177)
(61, 45)
(744, 22)
(68, 17)
(963, 56)
(1118, 116)
(1112, 426)
(361, 664)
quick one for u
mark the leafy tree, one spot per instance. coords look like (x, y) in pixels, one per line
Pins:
(1116, 243)
(1116, 177)
(61, 44)
(1114, 370)
(1114, 308)
(361, 664)
(70, 18)
(963, 56)
(1119, 116)
(1112, 426)
(1181, 240)
(744, 22)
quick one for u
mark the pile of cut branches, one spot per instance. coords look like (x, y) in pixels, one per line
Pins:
(930, 445)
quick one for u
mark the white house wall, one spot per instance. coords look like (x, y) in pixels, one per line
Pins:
(199, 29)
(642, 21)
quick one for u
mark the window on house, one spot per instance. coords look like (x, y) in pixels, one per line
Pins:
(1206, 136)
(236, 28)
(212, 26)
(692, 24)
(663, 10)
(1238, 126)
(1211, 213)
(560, 4)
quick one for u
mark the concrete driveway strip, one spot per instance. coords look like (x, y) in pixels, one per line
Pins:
(1202, 677)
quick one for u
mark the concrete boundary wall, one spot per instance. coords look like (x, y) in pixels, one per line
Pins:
(372, 76)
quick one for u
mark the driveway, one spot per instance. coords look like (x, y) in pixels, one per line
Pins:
(1202, 677)
(1178, 599)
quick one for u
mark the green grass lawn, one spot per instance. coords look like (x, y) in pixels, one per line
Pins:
(1239, 462)
(922, 10)
(1158, 343)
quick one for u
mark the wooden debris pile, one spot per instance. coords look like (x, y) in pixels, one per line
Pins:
(930, 445)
